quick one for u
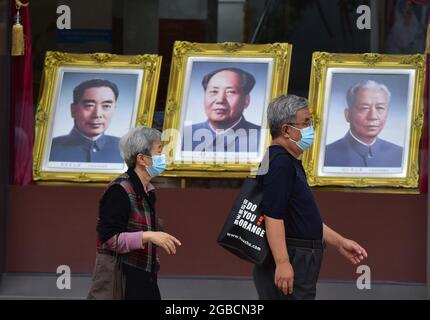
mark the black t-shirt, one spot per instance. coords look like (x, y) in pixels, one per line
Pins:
(287, 195)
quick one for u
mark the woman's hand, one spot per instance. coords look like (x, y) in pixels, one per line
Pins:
(161, 239)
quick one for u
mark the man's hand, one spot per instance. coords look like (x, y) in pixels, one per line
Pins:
(284, 277)
(348, 248)
(161, 239)
(352, 251)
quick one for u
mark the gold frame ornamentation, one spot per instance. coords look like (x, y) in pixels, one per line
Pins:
(182, 51)
(148, 63)
(321, 62)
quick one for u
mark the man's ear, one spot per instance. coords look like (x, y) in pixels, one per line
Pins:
(247, 101)
(285, 131)
(72, 110)
(347, 114)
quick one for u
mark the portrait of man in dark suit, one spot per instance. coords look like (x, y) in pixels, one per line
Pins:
(368, 106)
(92, 109)
(227, 93)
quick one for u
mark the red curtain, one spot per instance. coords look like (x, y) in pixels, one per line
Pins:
(424, 146)
(22, 111)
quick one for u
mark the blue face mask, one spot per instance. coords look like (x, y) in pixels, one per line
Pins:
(158, 165)
(307, 139)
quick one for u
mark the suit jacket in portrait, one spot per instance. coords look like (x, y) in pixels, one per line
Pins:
(75, 147)
(243, 137)
(348, 152)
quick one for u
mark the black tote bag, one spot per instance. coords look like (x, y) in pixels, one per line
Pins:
(244, 233)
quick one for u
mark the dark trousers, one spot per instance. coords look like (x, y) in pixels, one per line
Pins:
(306, 263)
(140, 285)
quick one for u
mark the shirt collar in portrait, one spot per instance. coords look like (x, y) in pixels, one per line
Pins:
(364, 150)
(359, 141)
(87, 142)
(222, 131)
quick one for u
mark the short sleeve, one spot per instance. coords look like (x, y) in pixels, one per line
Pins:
(278, 185)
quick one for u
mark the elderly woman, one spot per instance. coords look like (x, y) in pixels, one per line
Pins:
(127, 209)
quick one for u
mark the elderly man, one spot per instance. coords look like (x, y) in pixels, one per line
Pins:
(367, 112)
(226, 96)
(294, 228)
(92, 109)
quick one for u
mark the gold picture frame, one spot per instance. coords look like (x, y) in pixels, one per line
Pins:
(328, 162)
(136, 80)
(269, 65)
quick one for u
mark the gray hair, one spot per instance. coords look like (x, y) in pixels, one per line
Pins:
(284, 110)
(137, 140)
(366, 84)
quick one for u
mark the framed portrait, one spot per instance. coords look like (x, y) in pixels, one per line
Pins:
(368, 117)
(215, 120)
(87, 102)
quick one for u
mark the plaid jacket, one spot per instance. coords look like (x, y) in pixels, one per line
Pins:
(141, 218)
